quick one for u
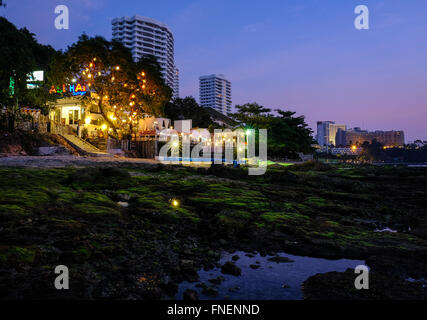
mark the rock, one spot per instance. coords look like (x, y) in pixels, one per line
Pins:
(186, 264)
(217, 280)
(201, 285)
(123, 204)
(170, 288)
(213, 254)
(48, 151)
(279, 259)
(250, 255)
(125, 197)
(190, 295)
(234, 289)
(340, 286)
(211, 292)
(230, 268)
(235, 257)
(254, 266)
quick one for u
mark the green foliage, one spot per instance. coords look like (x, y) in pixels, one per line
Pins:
(20, 55)
(287, 135)
(188, 108)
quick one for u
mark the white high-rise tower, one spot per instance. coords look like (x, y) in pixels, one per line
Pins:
(215, 92)
(146, 36)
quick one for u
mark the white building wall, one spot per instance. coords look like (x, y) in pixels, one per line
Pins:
(146, 36)
(215, 92)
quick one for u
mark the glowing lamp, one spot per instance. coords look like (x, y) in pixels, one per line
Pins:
(175, 203)
(88, 120)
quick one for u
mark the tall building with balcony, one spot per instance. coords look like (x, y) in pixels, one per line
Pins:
(146, 36)
(215, 92)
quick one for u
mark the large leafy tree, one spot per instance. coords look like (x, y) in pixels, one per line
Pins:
(122, 90)
(288, 135)
(20, 55)
(252, 115)
(188, 108)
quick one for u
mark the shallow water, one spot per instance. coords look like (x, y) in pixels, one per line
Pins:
(266, 282)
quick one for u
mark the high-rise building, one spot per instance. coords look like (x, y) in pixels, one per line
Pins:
(327, 132)
(176, 84)
(215, 92)
(356, 136)
(146, 36)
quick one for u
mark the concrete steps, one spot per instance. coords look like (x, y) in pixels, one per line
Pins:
(84, 147)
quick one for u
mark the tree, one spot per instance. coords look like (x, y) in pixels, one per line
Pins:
(371, 152)
(123, 91)
(188, 108)
(287, 135)
(20, 55)
(252, 115)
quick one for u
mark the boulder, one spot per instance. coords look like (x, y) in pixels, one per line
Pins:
(230, 268)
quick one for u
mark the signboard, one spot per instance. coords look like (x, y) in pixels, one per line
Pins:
(72, 89)
(33, 78)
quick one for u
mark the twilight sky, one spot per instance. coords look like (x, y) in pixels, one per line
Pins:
(304, 56)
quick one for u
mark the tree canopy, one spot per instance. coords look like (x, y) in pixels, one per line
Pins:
(122, 90)
(20, 55)
(288, 135)
(188, 108)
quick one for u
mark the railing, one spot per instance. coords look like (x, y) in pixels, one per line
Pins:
(59, 128)
(143, 149)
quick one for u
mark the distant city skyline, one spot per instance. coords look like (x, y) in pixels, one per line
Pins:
(304, 56)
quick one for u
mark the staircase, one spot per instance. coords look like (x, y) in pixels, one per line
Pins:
(84, 147)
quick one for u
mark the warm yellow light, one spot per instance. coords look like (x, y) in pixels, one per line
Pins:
(104, 127)
(113, 78)
(175, 144)
(117, 68)
(99, 73)
(91, 65)
(88, 120)
(175, 203)
(353, 148)
(89, 75)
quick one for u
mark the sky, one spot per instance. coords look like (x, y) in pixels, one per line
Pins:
(305, 56)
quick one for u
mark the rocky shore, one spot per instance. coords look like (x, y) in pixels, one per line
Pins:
(122, 236)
